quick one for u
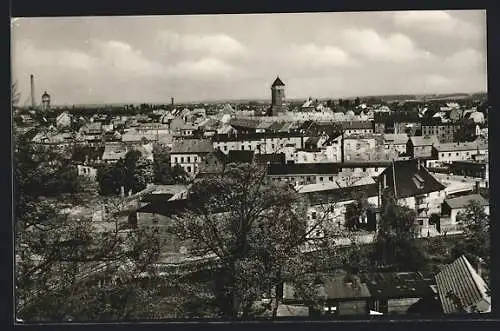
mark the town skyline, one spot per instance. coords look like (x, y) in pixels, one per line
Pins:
(217, 57)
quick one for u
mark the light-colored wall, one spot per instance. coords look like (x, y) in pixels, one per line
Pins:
(189, 162)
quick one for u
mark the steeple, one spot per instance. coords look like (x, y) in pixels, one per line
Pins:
(277, 82)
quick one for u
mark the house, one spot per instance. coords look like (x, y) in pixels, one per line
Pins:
(396, 142)
(396, 293)
(397, 122)
(461, 289)
(338, 193)
(415, 187)
(452, 208)
(356, 127)
(470, 168)
(311, 173)
(87, 171)
(340, 295)
(64, 120)
(460, 151)
(190, 153)
(213, 163)
(187, 130)
(444, 131)
(113, 152)
(421, 146)
(258, 142)
(384, 293)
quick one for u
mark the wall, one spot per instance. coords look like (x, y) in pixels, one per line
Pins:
(87, 171)
(189, 162)
(449, 156)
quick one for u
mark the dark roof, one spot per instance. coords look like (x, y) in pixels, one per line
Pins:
(340, 194)
(270, 158)
(194, 146)
(397, 285)
(356, 125)
(253, 136)
(277, 82)
(463, 201)
(235, 156)
(408, 180)
(303, 168)
(396, 117)
(337, 288)
(244, 123)
(321, 168)
(460, 282)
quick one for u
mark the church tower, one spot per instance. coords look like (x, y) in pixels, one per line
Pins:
(277, 97)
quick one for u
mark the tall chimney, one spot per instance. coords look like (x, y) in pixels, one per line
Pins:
(32, 84)
(172, 101)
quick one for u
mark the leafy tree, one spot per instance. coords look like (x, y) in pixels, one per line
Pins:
(356, 211)
(476, 237)
(395, 243)
(257, 230)
(164, 172)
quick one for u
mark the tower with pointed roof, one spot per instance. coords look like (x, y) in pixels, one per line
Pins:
(277, 97)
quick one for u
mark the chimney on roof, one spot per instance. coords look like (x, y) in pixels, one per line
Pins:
(32, 84)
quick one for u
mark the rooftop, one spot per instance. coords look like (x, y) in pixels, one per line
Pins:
(194, 146)
(424, 140)
(460, 287)
(463, 201)
(464, 146)
(277, 82)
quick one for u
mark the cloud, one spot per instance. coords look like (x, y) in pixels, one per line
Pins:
(468, 58)
(25, 54)
(395, 47)
(212, 45)
(315, 56)
(121, 56)
(201, 69)
(437, 22)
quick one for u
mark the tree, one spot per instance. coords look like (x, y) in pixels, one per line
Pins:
(164, 172)
(476, 236)
(395, 243)
(256, 230)
(356, 212)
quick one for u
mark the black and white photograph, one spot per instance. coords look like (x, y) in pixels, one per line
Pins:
(311, 166)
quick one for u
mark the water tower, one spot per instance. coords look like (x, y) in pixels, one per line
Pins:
(45, 101)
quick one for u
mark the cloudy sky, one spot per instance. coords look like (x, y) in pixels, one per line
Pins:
(150, 59)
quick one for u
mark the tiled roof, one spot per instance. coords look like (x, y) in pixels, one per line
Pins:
(459, 282)
(187, 146)
(291, 311)
(408, 180)
(114, 152)
(245, 123)
(397, 285)
(424, 140)
(395, 138)
(337, 288)
(464, 146)
(463, 201)
(270, 158)
(356, 125)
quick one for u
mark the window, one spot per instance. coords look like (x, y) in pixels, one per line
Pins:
(189, 159)
(195, 159)
(313, 215)
(182, 159)
(457, 154)
(364, 169)
(225, 147)
(442, 154)
(242, 147)
(175, 159)
(188, 169)
(320, 179)
(449, 154)
(467, 153)
(330, 179)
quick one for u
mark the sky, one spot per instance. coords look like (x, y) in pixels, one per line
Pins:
(131, 59)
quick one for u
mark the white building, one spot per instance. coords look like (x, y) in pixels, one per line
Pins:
(189, 154)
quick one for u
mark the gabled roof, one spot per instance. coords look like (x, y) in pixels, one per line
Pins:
(277, 82)
(270, 158)
(459, 285)
(424, 140)
(406, 179)
(356, 125)
(195, 146)
(463, 146)
(395, 138)
(463, 201)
